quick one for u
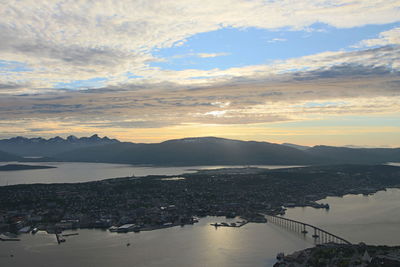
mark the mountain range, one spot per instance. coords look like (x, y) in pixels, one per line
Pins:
(41, 147)
(191, 151)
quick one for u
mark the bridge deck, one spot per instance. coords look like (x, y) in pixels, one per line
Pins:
(304, 225)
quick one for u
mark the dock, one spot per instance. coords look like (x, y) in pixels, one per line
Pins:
(234, 224)
(5, 237)
(71, 234)
(60, 239)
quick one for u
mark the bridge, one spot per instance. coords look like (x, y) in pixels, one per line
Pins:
(320, 236)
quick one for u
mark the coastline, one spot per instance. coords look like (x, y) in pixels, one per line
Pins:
(145, 228)
(332, 254)
(172, 233)
(320, 198)
(186, 198)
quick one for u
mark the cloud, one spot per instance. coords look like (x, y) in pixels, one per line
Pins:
(345, 70)
(208, 55)
(274, 40)
(11, 86)
(337, 63)
(390, 37)
(64, 41)
(284, 97)
(202, 55)
(45, 44)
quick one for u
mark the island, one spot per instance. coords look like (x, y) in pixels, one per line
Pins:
(23, 167)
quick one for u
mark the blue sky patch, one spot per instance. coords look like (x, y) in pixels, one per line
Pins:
(252, 46)
(131, 75)
(13, 66)
(78, 84)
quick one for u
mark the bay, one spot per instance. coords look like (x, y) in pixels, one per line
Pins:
(197, 245)
(74, 172)
(372, 219)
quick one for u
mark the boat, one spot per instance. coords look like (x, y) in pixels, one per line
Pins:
(34, 230)
(126, 228)
(25, 230)
(113, 229)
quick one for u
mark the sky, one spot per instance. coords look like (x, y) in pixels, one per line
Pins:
(299, 71)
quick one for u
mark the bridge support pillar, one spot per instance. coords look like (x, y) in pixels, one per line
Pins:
(304, 229)
(320, 236)
(315, 233)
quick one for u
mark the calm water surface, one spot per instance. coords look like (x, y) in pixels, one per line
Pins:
(373, 219)
(197, 245)
(72, 172)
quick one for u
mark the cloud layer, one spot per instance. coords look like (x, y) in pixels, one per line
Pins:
(64, 41)
(108, 47)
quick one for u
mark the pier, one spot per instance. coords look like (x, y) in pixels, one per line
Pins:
(224, 224)
(59, 239)
(320, 236)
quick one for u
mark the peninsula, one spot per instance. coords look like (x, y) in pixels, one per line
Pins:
(159, 201)
(22, 167)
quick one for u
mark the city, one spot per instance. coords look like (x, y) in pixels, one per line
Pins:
(160, 201)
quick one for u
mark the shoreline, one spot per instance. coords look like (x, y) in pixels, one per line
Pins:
(152, 203)
(360, 192)
(123, 239)
(332, 254)
(50, 228)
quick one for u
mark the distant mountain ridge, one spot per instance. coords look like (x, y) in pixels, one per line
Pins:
(338, 155)
(220, 151)
(300, 147)
(42, 147)
(191, 151)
